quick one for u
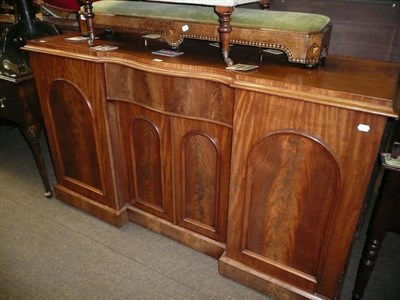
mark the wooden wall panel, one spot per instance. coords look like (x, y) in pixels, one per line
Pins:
(365, 29)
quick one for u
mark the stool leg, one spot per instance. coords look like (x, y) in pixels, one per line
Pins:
(380, 223)
(89, 16)
(225, 29)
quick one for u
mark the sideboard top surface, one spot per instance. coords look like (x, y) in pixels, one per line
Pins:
(351, 83)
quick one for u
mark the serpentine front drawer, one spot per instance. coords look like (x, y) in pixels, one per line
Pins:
(189, 97)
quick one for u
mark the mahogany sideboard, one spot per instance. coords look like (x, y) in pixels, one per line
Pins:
(266, 170)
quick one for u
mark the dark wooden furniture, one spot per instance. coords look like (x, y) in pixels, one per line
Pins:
(268, 168)
(19, 104)
(386, 217)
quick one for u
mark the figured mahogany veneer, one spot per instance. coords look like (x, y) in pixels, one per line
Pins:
(268, 169)
(176, 140)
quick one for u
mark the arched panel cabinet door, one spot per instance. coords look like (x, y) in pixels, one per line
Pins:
(299, 174)
(292, 186)
(74, 111)
(201, 163)
(148, 159)
(73, 126)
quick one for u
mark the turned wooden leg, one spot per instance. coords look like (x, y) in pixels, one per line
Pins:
(32, 135)
(89, 18)
(367, 264)
(381, 221)
(224, 29)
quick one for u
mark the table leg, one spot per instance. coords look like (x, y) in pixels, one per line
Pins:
(381, 221)
(32, 135)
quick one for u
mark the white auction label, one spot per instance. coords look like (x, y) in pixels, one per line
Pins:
(363, 127)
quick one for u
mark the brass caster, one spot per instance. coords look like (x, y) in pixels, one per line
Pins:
(91, 39)
(228, 61)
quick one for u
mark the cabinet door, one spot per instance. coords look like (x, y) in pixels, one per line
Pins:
(73, 109)
(201, 153)
(299, 175)
(146, 143)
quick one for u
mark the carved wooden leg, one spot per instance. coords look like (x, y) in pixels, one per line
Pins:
(224, 29)
(89, 18)
(381, 221)
(32, 135)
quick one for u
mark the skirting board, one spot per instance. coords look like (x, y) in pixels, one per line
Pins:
(189, 238)
(115, 217)
(268, 285)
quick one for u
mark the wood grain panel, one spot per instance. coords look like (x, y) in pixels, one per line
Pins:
(287, 173)
(201, 173)
(124, 83)
(200, 159)
(365, 29)
(352, 39)
(310, 203)
(70, 112)
(201, 162)
(146, 145)
(199, 98)
(73, 110)
(169, 94)
(148, 159)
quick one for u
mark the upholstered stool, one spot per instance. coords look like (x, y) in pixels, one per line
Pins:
(303, 37)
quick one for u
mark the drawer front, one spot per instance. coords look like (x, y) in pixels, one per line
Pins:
(189, 97)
